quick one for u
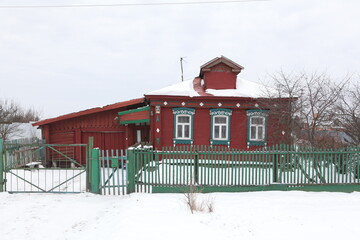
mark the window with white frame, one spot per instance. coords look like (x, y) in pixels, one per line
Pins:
(257, 128)
(257, 124)
(220, 126)
(183, 125)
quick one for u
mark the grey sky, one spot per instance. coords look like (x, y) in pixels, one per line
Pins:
(65, 60)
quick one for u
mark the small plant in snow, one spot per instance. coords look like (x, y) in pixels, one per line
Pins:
(194, 204)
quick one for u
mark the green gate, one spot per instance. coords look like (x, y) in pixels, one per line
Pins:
(43, 168)
(108, 172)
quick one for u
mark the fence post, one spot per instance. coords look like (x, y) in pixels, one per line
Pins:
(196, 170)
(130, 170)
(95, 171)
(89, 148)
(1, 166)
(275, 164)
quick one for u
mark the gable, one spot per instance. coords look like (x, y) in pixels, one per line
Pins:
(220, 73)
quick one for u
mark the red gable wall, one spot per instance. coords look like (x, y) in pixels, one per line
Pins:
(220, 76)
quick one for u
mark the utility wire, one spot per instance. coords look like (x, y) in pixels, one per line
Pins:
(130, 4)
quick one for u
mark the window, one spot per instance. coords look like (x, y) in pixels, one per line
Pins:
(220, 126)
(257, 128)
(183, 125)
(257, 120)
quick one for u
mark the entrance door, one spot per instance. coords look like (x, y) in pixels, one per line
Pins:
(141, 133)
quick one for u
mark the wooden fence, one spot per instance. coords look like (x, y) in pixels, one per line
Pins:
(222, 169)
(112, 166)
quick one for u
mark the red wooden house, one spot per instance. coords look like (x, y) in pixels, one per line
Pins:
(215, 108)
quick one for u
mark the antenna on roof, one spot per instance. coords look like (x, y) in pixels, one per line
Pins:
(182, 70)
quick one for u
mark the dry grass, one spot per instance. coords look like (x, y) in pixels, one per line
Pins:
(195, 204)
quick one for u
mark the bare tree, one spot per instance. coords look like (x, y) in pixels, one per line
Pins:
(314, 110)
(11, 115)
(348, 112)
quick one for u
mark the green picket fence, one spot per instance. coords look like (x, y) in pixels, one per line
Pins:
(224, 169)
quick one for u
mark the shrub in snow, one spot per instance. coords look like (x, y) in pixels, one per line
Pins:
(194, 203)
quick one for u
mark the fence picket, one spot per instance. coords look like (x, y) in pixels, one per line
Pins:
(221, 167)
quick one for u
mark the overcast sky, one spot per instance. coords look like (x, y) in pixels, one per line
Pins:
(62, 60)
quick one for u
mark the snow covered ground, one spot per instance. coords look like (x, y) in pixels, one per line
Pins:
(256, 215)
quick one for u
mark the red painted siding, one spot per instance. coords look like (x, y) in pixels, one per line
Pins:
(220, 77)
(202, 127)
(167, 126)
(100, 123)
(135, 116)
(239, 129)
(202, 120)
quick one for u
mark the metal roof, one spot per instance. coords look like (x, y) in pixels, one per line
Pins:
(90, 111)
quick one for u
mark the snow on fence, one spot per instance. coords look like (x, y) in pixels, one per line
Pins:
(223, 167)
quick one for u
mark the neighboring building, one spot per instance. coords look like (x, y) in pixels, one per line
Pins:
(101, 123)
(215, 108)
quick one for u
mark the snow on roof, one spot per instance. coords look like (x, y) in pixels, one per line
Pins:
(185, 88)
(244, 88)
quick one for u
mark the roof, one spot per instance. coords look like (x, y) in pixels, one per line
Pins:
(184, 88)
(91, 111)
(194, 88)
(206, 67)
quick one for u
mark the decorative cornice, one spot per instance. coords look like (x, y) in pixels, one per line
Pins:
(221, 111)
(185, 111)
(260, 113)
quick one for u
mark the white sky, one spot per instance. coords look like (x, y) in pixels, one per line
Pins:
(61, 60)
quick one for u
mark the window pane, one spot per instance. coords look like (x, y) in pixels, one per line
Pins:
(216, 132)
(187, 131)
(179, 131)
(253, 133)
(257, 120)
(260, 133)
(220, 119)
(183, 119)
(223, 132)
